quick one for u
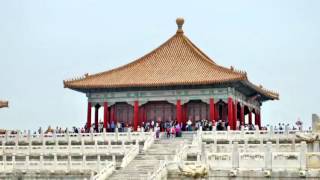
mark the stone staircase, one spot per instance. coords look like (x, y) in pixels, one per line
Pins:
(148, 161)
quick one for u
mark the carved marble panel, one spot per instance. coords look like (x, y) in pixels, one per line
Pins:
(220, 160)
(313, 160)
(288, 160)
(252, 160)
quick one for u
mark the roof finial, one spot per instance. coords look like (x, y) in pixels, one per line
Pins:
(180, 22)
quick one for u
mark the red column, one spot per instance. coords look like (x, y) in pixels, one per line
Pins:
(259, 120)
(212, 111)
(89, 116)
(105, 115)
(216, 114)
(250, 117)
(235, 117)
(242, 116)
(230, 113)
(256, 118)
(135, 115)
(179, 111)
(96, 117)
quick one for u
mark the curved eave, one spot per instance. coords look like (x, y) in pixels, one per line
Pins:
(82, 87)
(269, 95)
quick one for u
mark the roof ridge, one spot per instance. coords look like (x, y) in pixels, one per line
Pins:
(189, 44)
(208, 59)
(138, 60)
(195, 48)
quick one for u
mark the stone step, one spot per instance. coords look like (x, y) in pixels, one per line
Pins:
(148, 161)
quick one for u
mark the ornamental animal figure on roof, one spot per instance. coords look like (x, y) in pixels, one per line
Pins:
(174, 82)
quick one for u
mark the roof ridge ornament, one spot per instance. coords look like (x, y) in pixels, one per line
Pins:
(180, 22)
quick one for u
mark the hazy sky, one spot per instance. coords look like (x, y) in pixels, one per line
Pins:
(43, 42)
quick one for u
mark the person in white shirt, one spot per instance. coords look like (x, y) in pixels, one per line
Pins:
(189, 125)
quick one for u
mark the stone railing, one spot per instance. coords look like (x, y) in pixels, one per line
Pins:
(250, 135)
(130, 156)
(78, 137)
(65, 149)
(148, 142)
(105, 172)
(246, 147)
(160, 173)
(63, 166)
(263, 160)
(181, 153)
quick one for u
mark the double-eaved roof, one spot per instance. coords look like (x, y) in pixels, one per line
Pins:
(177, 62)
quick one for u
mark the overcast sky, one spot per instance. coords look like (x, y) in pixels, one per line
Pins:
(43, 42)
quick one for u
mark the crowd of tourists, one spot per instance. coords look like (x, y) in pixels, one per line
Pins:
(171, 128)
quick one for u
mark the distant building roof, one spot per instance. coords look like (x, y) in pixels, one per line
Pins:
(4, 104)
(176, 62)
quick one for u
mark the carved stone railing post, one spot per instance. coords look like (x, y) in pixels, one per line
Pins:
(303, 150)
(117, 134)
(246, 145)
(27, 161)
(42, 136)
(214, 146)
(230, 145)
(129, 134)
(104, 135)
(198, 157)
(41, 161)
(91, 134)
(261, 147)
(96, 145)
(122, 146)
(99, 162)
(6, 136)
(277, 144)
(235, 155)
(13, 161)
(286, 129)
(257, 131)
(29, 136)
(109, 144)
(242, 132)
(17, 138)
(268, 155)
(270, 132)
(316, 147)
(69, 162)
(293, 145)
(83, 161)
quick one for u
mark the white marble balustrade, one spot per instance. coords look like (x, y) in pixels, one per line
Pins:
(253, 147)
(77, 137)
(54, 165)
(265, 158)
(65, 149)
(250, 135)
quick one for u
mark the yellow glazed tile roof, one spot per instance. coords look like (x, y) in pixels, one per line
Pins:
(176, 62)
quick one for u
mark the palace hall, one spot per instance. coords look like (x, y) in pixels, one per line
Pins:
(174, 82)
